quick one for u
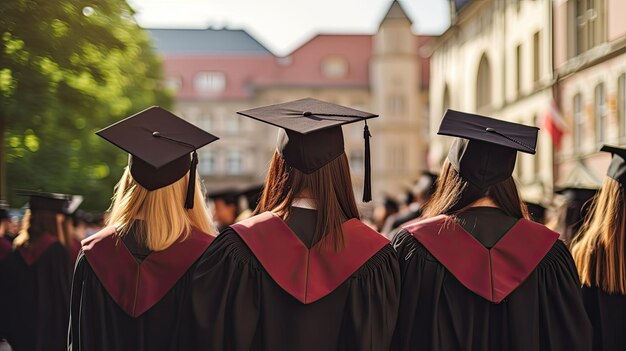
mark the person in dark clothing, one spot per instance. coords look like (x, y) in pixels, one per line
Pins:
(35, 279)
(304, 273)
(476, 273)
(132, 282)
(599, 255)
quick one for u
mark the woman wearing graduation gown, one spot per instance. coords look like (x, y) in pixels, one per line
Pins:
(35, 280)
(476, 273)
(132, 281)
(304, 273)
(599, 253)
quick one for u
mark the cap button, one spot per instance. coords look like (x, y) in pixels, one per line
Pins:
(156, 134)
(490, 130)
(306, 113)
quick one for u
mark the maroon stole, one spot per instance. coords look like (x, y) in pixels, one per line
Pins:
(307, 274)
(32, 251)
(137, 286)
(491, 273)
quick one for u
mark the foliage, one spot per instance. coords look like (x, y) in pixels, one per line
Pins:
(67, 69)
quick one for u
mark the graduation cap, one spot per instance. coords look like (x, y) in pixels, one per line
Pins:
(42, 201)
(617, 168)
(73, 204)
(579, 194)
(228, 195)
(159, 143)
(311, 133)
(487, 151)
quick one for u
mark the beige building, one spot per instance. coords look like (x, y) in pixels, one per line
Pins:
(590, 61)
(495, 59)
(216, 72)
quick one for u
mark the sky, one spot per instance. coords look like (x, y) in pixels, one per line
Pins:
(284, 25)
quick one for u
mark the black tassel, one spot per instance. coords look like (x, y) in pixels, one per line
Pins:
(191, 187)
(367, 182)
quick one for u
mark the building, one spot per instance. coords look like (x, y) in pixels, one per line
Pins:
(590, 64)
(215, 73)
(496, 59)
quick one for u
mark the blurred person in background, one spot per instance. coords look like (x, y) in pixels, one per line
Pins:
(304, 273)
(600, 254)
(536, 212)
(252, 196)
(422, 191)
(572, 212)
(5, 243)
(225, 205)
(476, 273)
(132, 282)
(35, 279)
(385, 210)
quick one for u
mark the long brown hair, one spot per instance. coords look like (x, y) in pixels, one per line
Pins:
(35, 224)
(600, 248)
(454, 194)
(330, 186)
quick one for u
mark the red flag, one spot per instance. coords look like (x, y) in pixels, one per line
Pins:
(554, 124)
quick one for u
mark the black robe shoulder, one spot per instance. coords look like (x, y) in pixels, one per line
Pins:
(125, 297)
(245, 302)
(34, 296)
(542, 311)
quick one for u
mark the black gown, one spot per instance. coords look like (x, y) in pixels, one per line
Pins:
(245, 297)
(608, 317)
(125, 297)
(34, 296)
(518, 307)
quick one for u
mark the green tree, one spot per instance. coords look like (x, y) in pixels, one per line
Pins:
(67, 69)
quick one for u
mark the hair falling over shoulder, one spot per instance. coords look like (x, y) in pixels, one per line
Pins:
(454, 194)
(162, 214)
(330, 186)
(599, 249)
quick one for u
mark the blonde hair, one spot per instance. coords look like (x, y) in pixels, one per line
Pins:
(600, 248)
(164, 217)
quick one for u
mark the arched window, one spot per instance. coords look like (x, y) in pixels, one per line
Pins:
(601, 113)
(483, 84)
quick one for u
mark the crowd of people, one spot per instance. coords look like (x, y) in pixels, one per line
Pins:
(461, 263)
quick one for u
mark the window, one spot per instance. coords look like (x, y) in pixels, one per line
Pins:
(446, 100)
(396, 104)
(210, 82)
(335, 67)
(207, 164)
(483, 84)
(518, 70)
(356, 162)
(621, 104)
(536, 57)
(234, 162)
(600, 112)
(579, 122)
(587, 25)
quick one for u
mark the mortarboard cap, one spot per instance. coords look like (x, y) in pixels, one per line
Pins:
(228, 195)
(311, 135)
(42, 201)
(73, 204)
(487, 151)
(159, 143)
(572, 193)
(617, 168)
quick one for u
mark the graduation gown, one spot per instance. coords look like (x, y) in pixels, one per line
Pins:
(125, 297)
(608, 317)
(35, 295)
(265, 284)
(487, 281)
